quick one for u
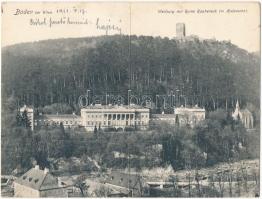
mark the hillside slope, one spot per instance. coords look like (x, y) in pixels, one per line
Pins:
(207, 72)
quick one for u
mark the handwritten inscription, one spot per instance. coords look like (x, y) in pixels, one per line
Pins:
(23, 12)
(107, 27)
(69, 16)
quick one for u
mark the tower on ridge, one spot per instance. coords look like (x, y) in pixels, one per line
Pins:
(180, 30)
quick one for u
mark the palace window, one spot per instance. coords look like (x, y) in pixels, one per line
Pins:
(118, 116)
(114, 116)
(123, 116)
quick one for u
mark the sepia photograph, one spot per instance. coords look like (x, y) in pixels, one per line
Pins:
(130, 99)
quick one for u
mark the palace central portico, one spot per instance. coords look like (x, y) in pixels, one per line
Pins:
(115, 116)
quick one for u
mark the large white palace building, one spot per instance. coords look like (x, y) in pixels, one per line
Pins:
(97, 116)
(118, 117)
(122, 117)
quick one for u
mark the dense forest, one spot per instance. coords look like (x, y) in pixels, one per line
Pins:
(205, 72)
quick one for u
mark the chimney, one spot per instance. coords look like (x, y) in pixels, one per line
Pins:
(46, 170)
(37, 167)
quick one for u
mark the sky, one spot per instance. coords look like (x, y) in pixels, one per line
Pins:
(238, 22)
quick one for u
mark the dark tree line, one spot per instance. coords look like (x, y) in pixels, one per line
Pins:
(211, 73)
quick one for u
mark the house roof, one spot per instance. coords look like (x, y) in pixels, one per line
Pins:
(125, 180)
(38, 179)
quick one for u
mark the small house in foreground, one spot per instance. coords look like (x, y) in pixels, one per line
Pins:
(38, 183)
(125, 185)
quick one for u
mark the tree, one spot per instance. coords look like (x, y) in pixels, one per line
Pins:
(244, 177)
(18, 119)
(255, 175)
(81, 184)
(229, 119)
(197, 179)
(95, 131)
(238, 184)
(230, 181)
(176, 189)
(25, 120)
(211, 183)
(177, 121)
(99, 128)
(188, 176)
(40, 152)
(221, 183)
(62, 128)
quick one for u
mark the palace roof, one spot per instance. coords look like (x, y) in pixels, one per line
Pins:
(99, 106)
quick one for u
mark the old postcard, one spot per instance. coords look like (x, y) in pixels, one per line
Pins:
(130, 99)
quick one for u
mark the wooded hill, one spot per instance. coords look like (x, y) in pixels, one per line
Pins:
(208, 72)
